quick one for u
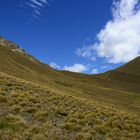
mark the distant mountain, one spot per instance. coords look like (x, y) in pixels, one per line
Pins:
(39, 102)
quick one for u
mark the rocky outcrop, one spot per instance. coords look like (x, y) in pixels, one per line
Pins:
(14, 47)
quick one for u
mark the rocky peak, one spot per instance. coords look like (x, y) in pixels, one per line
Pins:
(14, 47)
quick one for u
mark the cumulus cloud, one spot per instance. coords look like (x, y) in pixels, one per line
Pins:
(105, 67)
(119, 41)
(94, 71)
(86, 52)
(76, 68)
(54, 65)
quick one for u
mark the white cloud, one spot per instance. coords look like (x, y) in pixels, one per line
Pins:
(76, 68)
(85, 51)
(36, 7)
(119, 41)
(36, 2)
(105, 67)
(44, 1)
(94, 71)
(37, 12)
(54, 65)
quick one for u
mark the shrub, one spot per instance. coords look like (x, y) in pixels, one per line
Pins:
(71, 126)
(33, 99)
(12, 122)
(14, 94)
(30, 110)
(3, 99)
(16, 108)
(84, 136)
(41, 115)
(61, 113)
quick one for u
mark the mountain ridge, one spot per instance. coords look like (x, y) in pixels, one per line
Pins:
(26, 64)
(39, 102)
(129, 67)
(14, 47)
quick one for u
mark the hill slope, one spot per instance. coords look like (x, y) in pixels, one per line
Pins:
(128, 74)
(133, 67)
(38, 102)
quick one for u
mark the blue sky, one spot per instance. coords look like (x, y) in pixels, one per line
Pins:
(89, 36)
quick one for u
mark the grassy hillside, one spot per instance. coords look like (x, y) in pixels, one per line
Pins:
(133, 67)
(38, 102)
(29, 111)
(98, 88)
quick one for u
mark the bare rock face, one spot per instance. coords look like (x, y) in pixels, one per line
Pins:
(14, 47)
(7, 43)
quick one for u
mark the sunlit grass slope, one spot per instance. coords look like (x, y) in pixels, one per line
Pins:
(133, 67)
(100, 88)
(38, 102)
(29, 111)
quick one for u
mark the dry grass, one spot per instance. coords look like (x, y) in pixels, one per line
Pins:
(30, 111)
(37, 102)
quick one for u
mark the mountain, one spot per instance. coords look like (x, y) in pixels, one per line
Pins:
(126, 77)
(12, 46)
(133, 67)
(38, 102)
